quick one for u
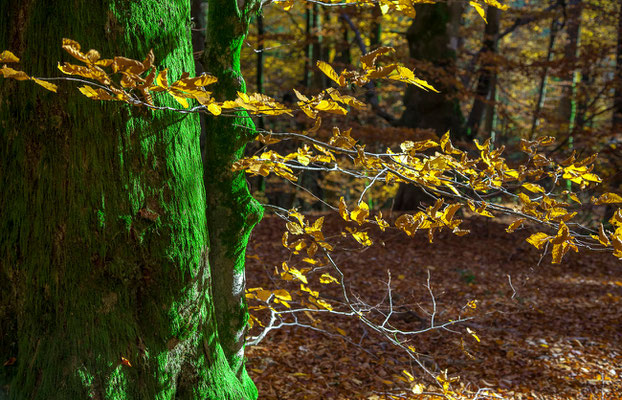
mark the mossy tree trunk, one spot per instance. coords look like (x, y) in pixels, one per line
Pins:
(231, 210)
(103, 233)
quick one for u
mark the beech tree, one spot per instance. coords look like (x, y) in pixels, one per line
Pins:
(108, 256)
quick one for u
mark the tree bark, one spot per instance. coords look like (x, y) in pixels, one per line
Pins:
(104, 251)
(617, 102)
(431, 39)
(231, 210)
(487, 73)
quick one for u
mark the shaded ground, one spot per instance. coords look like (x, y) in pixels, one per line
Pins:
(547, 331)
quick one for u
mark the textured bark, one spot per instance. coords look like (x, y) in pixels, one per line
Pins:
(431, 39)
(231, 210)
(487, 73)
(616, 121)
(544, 78)
(103, 251)
(567, 108)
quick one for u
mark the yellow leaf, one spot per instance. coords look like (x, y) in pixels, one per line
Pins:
(343, 210)
(602, 236)
(282, 294)
(181, 100)
(532, 187)
(361, 237)
(341, 332)
(514, 225)
(446, 145)
(330, 72)
(408, 375)
(607, 198)
(472, 333)
(369, 59)
(479, 9)
(95, 94)
(327, 278)
(500, 6)
(360, 213)
(13, 74)
(49, 86)
(8, 57)
(284, 4)
(214, 108)
(404, 74)
(298, 275)
(330, 106)
(538, 239)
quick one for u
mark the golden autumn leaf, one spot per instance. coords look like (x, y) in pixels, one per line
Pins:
(282, 294)
(515, 225)
(48, 85)
(472, 333)
(8, 57)
(330, 72)
(360, 213)
(602, 236)
(495, 3)
(95, 94)
(446, 145)
(404, 74)
(126, 362)
(538, 239)
(532, 187)
(480, 10)
(360, 236)
(13, 74)
(369, 60)
(607, 198)
(327, 278)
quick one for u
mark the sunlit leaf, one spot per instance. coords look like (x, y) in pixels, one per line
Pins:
(8, 57)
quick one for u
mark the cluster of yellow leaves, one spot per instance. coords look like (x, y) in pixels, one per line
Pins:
(432, 219)
(562, 242)
(6, 57)
(370, 71)
(272, 162)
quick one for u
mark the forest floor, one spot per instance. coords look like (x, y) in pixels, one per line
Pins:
(546, 331)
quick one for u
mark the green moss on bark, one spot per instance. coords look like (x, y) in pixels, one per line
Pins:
(231, 211)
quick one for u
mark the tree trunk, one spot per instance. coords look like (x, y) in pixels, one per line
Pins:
(104, 247)
(487, 73)
(567, 108)
(430, 40)
(535, 122)
(617, 102)
(231, 210)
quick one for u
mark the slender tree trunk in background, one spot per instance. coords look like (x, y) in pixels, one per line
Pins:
(490, 111)
(231, 210)
(104, 247)
(567, 109)
(487, 73)
(544, 78)
(617, 102)
(306, 79)
(260, 48)
(375, 35)
(430, 40)
(316, 48)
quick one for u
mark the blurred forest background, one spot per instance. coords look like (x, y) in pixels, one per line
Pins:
(538, 68)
